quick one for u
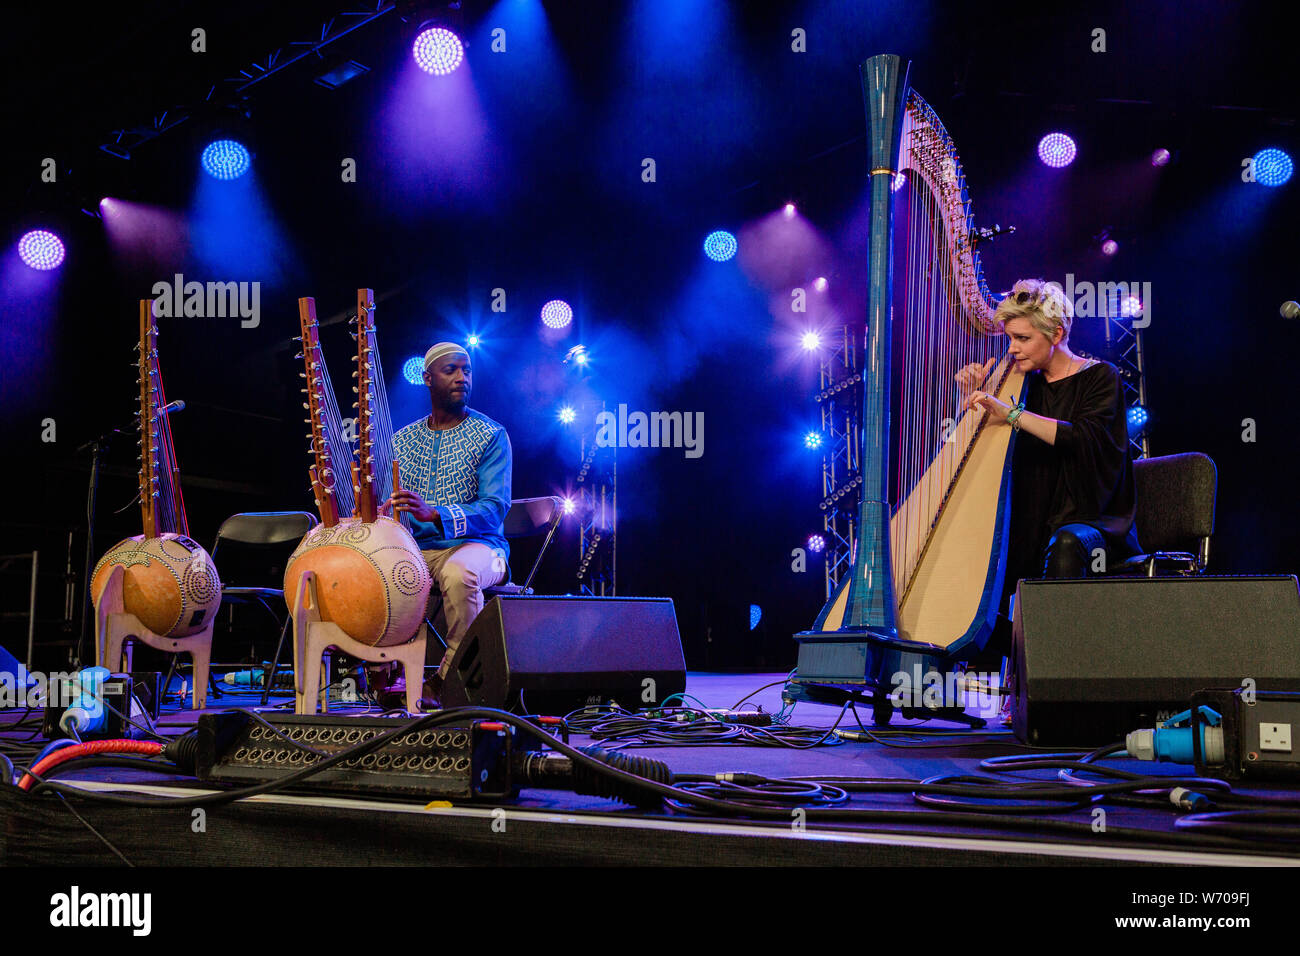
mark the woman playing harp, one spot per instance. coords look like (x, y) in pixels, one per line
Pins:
(1072, 491)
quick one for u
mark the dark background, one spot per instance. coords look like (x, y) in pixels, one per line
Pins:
(546, 201)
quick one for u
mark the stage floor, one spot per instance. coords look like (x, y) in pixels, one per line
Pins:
(551, 827)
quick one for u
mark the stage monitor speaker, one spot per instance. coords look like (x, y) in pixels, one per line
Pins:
(552, 655)
(1097, 657)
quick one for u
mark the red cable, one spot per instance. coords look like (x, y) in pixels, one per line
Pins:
(147, 747)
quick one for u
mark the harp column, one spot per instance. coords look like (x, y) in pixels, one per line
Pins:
(871, 601)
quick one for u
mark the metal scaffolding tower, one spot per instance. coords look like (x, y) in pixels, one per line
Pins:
(840, 398)
(597, 510)
(1123, 349)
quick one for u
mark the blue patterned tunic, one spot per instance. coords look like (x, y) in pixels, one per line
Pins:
(464, 473)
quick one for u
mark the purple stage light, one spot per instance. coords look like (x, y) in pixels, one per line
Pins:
(816, 543)
(789, 210)
(1130, 306)
(226, 159)
(568, 506)
(811, 341)
(1110, 247)
(557, 313)
(820, 283)
(1160, 157)
(900, 180)
(41, 249)
(438, 50)
(1056, 150)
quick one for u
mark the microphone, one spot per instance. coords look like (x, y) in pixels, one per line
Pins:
(176, 406)
(1290, 310)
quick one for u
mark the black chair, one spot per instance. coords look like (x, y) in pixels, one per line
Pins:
(1175, 515)
(526, 518)
(257, 531)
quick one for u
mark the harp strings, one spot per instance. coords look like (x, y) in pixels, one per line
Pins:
(381, 423)
(939, 338)
(340, 450)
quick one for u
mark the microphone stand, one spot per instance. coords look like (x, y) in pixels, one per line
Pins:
(97, 446)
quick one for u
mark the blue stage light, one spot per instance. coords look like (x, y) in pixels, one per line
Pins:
(473, 341)
(1273, 167)
(41, 249)
(413, 370)
(811, 341)
(720, 245)
(438, 50)
(812, 440)
(1056, 150)
(1137, 420)
(755, 615)
(567, 414)
(557, 313)
(226, 159)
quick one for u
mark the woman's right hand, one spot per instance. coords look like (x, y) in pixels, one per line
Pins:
(970, 376)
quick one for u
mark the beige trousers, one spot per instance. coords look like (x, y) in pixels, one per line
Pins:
(460, 574)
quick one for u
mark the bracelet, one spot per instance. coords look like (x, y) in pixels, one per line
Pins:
(1013, 416)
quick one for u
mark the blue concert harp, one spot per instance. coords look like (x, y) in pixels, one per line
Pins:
(930, 538)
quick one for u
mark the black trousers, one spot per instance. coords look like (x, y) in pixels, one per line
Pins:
(1073, 551)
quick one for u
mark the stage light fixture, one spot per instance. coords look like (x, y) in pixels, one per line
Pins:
(1109, 247)
(820, 283)
(340, 73)
(1161, 157)
(226, 159)
(577, 355)
(1056, 150)
(1137, 420)
(789, 210)
(755, 615)
(438, 50)
(568, 506)
(811, 341)
(413, 370)
(816, 543)
(812, 440)
(1130, 306)
(1272, 167)
(900, 180)
(557, 313)
(41, 249)
(567, 414)
(720, 245)
(473, 341)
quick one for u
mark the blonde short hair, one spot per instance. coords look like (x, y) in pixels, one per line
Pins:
(1043, 303)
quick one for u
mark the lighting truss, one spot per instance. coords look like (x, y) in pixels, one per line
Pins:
(840, 396)
(127, 138)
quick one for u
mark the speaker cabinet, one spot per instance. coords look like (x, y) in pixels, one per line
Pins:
(554, 654)
(1097, 657)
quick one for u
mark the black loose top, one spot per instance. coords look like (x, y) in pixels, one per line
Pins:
(1086, 477)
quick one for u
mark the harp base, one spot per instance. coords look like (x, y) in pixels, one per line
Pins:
(865, 665)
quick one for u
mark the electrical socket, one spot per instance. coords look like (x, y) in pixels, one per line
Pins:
(1275, 737)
